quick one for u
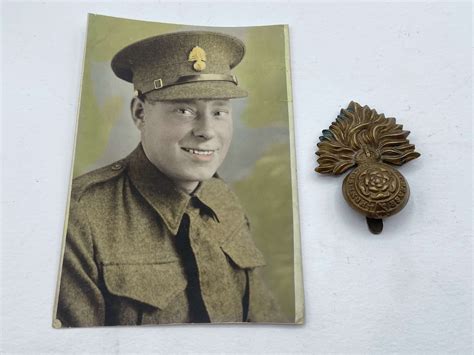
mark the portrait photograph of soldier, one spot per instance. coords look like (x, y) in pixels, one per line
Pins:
(183, 202)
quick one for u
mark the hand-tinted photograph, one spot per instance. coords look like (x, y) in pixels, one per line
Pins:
(183, 205)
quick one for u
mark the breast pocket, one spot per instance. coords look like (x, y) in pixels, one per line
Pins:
(241, 249)
(141, 293)
(242, 255)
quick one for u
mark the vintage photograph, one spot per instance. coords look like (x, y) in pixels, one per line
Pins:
(183, 204)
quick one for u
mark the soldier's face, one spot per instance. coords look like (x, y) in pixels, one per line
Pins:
(186, 140)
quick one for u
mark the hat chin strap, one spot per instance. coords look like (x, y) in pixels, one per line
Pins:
(158, 84)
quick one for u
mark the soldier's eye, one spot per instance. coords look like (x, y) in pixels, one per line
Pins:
(185, 111)
(221, 113)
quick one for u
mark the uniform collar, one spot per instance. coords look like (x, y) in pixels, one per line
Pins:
(162, 194)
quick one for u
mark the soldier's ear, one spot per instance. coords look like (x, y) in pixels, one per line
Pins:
(137, 108)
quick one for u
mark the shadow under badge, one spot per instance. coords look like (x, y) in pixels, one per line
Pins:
(362, 138)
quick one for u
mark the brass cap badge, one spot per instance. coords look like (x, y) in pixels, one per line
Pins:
(198, 55)
(366, 140)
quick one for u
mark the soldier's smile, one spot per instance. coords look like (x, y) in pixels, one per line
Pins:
(200, 154)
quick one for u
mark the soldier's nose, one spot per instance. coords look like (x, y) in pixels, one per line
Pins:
(204, 126)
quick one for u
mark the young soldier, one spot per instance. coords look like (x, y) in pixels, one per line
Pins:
(158, 237)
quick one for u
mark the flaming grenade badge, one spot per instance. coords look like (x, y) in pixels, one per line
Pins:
(362, 138)
(198, 56)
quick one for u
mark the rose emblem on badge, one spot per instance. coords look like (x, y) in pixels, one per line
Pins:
(377, 183)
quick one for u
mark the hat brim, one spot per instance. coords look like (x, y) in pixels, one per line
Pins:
(205, 90)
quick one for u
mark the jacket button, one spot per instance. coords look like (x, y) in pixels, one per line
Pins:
(57, 324)
(116, 166)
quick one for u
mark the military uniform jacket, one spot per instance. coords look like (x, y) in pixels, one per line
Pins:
(121, 265)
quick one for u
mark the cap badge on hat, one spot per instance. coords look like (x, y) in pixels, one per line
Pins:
(198, 56)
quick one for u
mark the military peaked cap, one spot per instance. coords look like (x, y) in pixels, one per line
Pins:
(182, 65)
